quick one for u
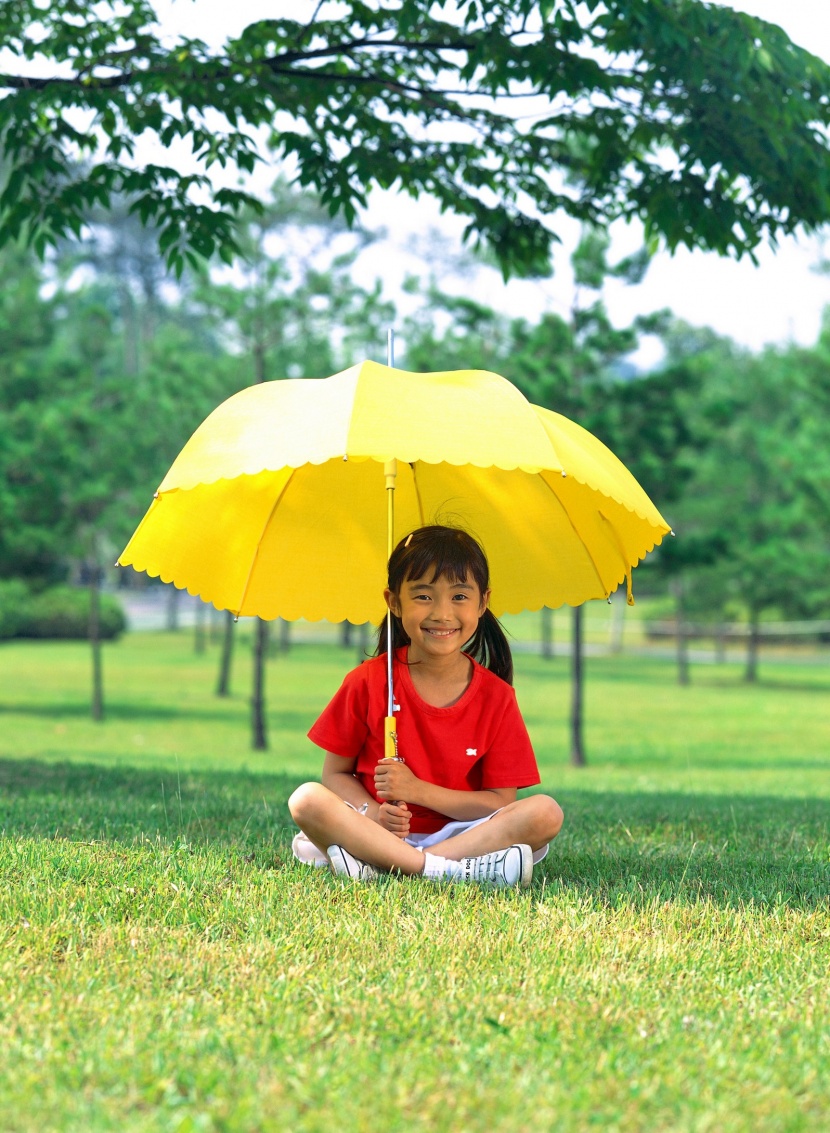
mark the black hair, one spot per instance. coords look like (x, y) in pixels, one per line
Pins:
(449, 553)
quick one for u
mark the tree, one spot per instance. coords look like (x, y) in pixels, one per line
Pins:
(81, 443)
(762, 488)
(707, 124)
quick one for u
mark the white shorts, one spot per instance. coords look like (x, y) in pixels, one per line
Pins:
(305, 851)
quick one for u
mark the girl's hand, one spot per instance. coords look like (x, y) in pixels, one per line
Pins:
(395, 818)
(394, 781)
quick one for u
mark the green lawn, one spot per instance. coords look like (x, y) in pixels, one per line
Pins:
(166, 966)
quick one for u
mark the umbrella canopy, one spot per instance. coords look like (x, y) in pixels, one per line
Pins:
(276, 504)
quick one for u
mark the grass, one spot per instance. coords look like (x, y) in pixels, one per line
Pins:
(165, 965)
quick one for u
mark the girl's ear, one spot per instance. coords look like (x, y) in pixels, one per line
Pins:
(391, 599)
(485, 602)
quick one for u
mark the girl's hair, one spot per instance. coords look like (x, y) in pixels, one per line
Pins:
(448, 552)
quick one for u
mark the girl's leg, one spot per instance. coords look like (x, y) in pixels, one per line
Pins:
(328, 821)
(534, 821)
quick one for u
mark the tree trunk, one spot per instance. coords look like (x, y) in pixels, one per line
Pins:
(346, 634)
(547, 631)
(259, 737)
(615, 637)
(751, 673)
(172, 608)
(199, 629)
(285, 635)
(95, 642)
(683, 675)
(720, 643)
(577, 670)
(217, 623)
(223, 688)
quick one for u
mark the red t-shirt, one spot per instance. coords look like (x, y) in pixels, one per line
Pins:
(477, 743)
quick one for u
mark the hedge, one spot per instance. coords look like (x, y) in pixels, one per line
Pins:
(59, 612)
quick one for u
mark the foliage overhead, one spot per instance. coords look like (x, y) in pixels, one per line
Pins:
(706, 123)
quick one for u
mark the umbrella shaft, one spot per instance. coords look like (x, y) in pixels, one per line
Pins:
(390, 471)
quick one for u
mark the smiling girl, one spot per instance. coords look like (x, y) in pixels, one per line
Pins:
(447, 808)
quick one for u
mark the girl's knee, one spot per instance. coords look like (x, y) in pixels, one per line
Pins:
(547, 817)
(305, 801)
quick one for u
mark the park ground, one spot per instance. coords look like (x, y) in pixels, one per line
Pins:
(165, 965)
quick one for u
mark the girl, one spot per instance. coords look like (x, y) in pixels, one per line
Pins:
(447, 809)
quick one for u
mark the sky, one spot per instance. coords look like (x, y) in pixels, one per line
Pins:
(779, 301)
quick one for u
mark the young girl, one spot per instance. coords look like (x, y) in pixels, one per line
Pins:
(447, 809)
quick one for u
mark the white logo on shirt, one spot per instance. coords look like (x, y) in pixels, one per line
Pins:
(472, 751)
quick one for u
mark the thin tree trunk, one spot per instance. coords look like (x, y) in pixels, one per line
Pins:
(199, 629)
(751, 674)
(223, 687)
(346, 634)
(577, 690)
(547, 631)
(217, 623)
(172, 608)
(683, 675)
(720, 643)
(285, 635)
(95, 642)
(617, 624)
(259, 738)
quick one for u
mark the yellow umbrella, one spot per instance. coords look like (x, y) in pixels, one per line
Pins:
(275, 506)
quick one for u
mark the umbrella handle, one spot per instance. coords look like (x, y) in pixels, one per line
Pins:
(390, 731)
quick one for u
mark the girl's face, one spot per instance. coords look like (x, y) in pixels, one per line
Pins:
(438, 616)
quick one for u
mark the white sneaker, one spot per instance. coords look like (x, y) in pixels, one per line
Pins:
(344, 864)
(513, 866)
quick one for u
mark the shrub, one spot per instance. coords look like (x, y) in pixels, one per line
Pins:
(63, 612)
(14, 606)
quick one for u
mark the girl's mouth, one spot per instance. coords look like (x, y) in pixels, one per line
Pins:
(440, 632)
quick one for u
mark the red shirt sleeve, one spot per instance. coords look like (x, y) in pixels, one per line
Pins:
(509, 760)
(343, 726)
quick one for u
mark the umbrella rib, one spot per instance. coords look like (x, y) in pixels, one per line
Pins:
(621, 549)
(579, 537)
(417, 494)
(255, 555)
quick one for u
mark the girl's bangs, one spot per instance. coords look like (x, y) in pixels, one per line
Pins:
(446, 558)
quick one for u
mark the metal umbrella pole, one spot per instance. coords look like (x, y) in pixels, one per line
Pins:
(390, 471)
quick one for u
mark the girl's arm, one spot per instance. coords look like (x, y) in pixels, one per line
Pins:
(395, 781)
(338, 776)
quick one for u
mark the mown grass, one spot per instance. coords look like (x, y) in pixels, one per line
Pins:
(164, 965)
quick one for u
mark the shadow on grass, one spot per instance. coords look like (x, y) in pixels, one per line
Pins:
(136, 711)
(615, 847)
(647, 847)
